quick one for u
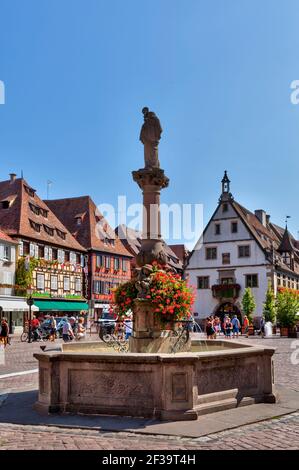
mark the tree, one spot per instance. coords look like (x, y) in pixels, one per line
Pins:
(248, 303)
(287, 304)
(269, 311)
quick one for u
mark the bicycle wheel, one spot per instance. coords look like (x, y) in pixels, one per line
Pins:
(24, 336)
(107, 338)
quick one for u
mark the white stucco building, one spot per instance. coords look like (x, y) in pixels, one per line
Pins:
(240, 249)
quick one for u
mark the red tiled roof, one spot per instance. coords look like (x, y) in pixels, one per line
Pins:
(88, 233)
(7, 238)
(269, 237)
(180, 250)
(20, 218)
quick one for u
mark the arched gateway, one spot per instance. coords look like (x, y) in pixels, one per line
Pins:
(227, 308)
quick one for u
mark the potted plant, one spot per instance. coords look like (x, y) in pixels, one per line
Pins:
(249, 305)
(287, 304)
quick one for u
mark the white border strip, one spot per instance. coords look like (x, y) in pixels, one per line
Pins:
(15, 374)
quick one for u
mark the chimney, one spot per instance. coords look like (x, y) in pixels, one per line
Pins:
(12, 177)
(268, 219)
(261, 216)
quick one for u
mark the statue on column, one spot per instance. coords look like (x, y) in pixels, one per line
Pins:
(150, 135)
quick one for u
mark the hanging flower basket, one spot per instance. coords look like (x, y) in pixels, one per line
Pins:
(171, 296)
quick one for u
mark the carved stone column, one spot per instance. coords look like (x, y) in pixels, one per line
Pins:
(151, 181)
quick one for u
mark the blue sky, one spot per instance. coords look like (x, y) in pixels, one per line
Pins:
(217, 73)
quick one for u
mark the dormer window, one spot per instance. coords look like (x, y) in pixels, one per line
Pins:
(29, 190)
(61, 234)
(5, 204)
(38, 210)
(35, 225)
(44, 212)
(49, 230)
(79, 220)
(34, 209)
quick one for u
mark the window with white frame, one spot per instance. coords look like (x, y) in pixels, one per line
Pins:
(251, 280)
(6, 253)
(54, 282)
(66, 283)
(211, 253)
(244, 251)
(124, 265)
(40, 281)
(78, 284)
(107, 262)
(60, 256)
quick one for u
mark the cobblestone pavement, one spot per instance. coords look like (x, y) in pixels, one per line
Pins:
(280, 434)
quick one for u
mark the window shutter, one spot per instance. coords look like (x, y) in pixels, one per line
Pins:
(21, 249)
(40, 281)
(31, 250)
(12, 254)
(50, 253)
(1, 251)
(46, 253)
(72, 257)
(82, 262)
(36, 251)
(60, 256)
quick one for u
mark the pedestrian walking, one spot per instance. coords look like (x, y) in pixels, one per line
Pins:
(53, 328)
(236, 326)
(209, 328)
(67, 331)
(228, 328)
(246, 326)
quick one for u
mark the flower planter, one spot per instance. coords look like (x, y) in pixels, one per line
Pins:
(284, 331)
(292, 332)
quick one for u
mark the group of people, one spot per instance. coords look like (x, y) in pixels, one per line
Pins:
(72, 328)
(229, 327)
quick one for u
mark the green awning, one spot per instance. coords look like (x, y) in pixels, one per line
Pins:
(57, 306)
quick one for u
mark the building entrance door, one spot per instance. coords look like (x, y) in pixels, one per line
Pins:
(229, 309)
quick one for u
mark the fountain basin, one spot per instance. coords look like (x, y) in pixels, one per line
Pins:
(89, 378)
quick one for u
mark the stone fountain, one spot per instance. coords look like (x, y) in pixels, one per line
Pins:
(150, 380)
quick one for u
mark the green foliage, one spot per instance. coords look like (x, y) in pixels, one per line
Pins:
(248, 303)
(24, 276)
(269, 311)
(287, 304)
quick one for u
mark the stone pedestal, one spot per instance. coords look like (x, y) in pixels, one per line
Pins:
(151, 181)
(146, 326)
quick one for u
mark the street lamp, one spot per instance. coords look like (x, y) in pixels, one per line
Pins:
(30, 303)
